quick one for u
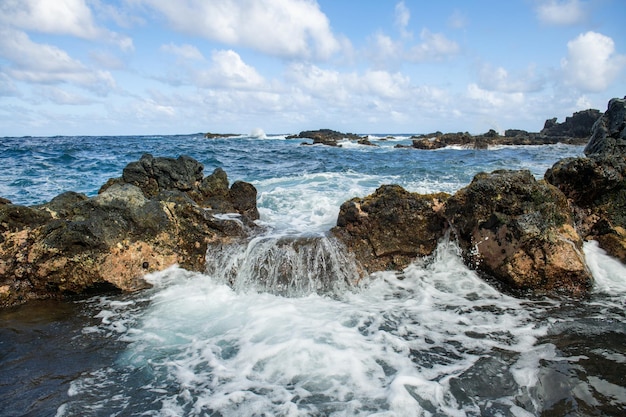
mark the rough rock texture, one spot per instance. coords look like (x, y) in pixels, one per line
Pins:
(160, 213)
(390, 228)
(519, 231)
(596, 188)
(596, 185)
(608, 136)
(325, 136)
(576, 126)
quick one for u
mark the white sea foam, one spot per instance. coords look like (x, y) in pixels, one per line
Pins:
(405, 344)
(609, 273)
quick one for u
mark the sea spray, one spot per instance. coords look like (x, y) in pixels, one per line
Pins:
(291, 266)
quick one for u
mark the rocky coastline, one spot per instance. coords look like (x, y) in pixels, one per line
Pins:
(523, 234)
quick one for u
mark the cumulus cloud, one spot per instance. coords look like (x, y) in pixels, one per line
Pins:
(289, 28)
(228, 70)
(560, 12)
(62, 96)
(592, 64)
(66, 17)
(499, 79)
(46, 64)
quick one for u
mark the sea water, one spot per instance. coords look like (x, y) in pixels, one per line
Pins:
(278, 327)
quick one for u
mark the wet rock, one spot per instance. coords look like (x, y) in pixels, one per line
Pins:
(147, 220)
(596, 188)
(325, 136)
(608, 135)
(519, 231)
(390, 228)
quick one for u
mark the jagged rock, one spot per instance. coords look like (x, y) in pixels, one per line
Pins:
(391, 227)
(596, 187)
(210, 135)
(145, 221)
(520, 232)
(608, 135)
(325, 136)
(576, 126)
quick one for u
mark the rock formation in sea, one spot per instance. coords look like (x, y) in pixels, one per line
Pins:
(575, 130)
(162, 211)
(526, 235)
(596, 184)
(325, 136)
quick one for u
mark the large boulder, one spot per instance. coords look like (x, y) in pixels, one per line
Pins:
(596, 188)
(391, 227)
(519, 231)
(143, 222)
(608, 135)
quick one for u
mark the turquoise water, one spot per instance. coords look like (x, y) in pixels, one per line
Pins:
(432, 340)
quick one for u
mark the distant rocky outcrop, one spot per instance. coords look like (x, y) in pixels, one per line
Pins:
(325, 136)
(574, 131)
(210, 135)
(162, 211)
(576, 126)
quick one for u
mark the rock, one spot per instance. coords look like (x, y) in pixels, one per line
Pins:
(596, 188)
(608, 135)
(519, 231)
(147, 220)
(210, 135)
(390, 228)
(576, 126)
(325, 136)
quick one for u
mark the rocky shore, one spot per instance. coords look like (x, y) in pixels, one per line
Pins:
(524, 235)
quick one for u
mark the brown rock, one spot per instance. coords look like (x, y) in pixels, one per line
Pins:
(390, 228)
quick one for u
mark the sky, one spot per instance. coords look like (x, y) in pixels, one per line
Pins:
(142, 67)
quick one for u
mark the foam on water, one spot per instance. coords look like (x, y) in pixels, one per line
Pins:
(435, 339)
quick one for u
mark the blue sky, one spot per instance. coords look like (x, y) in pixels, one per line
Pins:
(128, 67)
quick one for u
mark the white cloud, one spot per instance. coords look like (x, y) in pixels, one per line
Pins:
(434, 47)
(228, 70)
(499, 79)
(185, 51)
(41, 63)
(61, 96)
(290, 28)
(560, 12)
(66, 17)
(457, 20)
(592, 64)
(403, 15)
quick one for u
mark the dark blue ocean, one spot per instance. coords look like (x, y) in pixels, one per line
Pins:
(433, 340)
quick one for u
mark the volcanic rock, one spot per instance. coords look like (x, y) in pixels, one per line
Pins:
(608, 136)
(578, 125)
(325, 136)
(390, 228)
(161, 212)
(519, 231)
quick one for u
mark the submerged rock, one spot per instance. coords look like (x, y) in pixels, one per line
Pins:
(159, 213)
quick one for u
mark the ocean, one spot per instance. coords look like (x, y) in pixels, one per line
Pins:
(432, 340)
